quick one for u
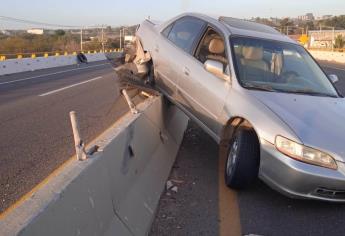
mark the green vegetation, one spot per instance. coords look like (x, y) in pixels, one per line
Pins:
(14, 42)
(337, 21)
(339, 42)
(28, 43)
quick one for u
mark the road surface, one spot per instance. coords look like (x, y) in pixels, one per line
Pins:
(204, 206)
(36, 135)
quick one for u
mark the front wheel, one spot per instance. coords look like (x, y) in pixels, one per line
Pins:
(243, 160)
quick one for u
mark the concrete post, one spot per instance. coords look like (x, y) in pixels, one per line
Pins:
(78, 142)
(129, 101)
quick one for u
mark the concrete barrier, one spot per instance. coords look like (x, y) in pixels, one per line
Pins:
(116, 192)
(12, 66)
(328, 56)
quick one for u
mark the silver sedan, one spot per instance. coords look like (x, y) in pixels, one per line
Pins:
(258, 94)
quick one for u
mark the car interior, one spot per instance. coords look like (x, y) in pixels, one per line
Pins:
(274, 65)
(212, 47)
(257, 64)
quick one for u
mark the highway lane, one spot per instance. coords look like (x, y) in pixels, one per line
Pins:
(198, 207)
(35, 131)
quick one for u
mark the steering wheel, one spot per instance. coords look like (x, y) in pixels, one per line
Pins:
(294, 77)
(289, 76)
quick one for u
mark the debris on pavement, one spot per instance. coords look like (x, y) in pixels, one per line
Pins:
(169, 185)
(174, 189)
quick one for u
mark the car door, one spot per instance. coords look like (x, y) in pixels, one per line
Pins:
(201, 92)
(172, 49)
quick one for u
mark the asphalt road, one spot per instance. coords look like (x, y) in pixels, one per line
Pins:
(198, 206)
(35, 130)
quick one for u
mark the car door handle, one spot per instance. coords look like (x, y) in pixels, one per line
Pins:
(156, 48)
(186, 71)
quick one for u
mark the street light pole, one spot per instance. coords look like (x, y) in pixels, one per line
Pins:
(124, 36)
(333, 38)
(102, 38)
(81, 40)
(120, 39)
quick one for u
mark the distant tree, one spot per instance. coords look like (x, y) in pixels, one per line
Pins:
(286, 22)
(60, 32)
(310, 25)
(264, 21)
(337, 21)
(339, 42)
(93, 45)
(113, 43)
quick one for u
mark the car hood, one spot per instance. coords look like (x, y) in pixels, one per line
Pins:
(319, 122)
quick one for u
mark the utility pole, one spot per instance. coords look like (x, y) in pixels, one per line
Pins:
(124, 36)
(333, 38)
(81, 40)
(120, 39)
(102, 38)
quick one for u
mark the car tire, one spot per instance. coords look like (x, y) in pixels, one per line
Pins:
(243, 160)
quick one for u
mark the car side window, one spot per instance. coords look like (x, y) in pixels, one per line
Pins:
(167, 30)
(185, 31)
(212, 47)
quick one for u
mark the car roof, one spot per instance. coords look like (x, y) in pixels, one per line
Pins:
(244, 27)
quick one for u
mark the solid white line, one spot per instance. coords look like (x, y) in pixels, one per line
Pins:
(70, 86)
(55, 73)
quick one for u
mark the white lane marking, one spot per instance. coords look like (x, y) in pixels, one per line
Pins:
(334, 68)
(69, 86)
(55, 73)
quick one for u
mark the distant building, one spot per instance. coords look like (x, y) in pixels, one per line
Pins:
(306, 17)
(35, 31)
(5, 32)
(40, 31)
(129, 38)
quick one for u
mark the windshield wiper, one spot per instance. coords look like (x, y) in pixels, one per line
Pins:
(300, 91)
(266, 88)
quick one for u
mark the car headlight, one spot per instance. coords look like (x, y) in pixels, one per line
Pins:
(305, 154)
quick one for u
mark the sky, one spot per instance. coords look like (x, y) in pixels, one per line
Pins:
(129, 12)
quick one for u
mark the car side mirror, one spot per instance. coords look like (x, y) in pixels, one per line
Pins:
(333, 78)
(216, 68)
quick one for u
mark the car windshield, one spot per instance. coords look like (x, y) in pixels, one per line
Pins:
(278, 67)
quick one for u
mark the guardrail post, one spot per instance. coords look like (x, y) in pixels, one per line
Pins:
(79, 144)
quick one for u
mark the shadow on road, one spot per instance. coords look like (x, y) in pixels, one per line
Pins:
(266, 212)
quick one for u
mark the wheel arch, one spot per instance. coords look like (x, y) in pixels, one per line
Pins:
(229, 130)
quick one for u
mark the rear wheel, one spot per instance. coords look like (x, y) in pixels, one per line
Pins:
(243, 160)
